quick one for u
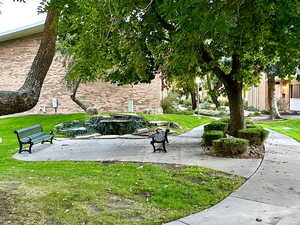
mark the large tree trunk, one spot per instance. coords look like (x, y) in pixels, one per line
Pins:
(28, 95)
(194, 99)
(233, 88)
(235, 98)
(73, 96)
(271, 98)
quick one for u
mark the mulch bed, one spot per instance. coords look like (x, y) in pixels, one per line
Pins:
(253, 152)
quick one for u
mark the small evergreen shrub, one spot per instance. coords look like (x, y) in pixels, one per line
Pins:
(211, 135)
(249, 122)
(225, 120)
(255, 136)
(216, 125)
(230, 146)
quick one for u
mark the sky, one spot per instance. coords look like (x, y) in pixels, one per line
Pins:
(15, 14)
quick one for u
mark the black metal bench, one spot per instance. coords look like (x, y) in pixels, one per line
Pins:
(32, 135)
(161, 137)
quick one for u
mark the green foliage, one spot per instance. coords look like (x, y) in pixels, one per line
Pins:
(230, 146)
(210, 135)
(225, 120)
(217, 113)
(169, 102)
(124, 42)
(216, 125)
(256, 136)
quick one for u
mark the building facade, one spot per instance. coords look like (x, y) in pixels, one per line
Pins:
(287, 94)
(17, 51)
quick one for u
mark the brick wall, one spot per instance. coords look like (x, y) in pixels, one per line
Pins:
(16, 57)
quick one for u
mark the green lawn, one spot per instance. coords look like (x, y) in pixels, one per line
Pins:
(290, 128)
(186, 122)
(77, 193)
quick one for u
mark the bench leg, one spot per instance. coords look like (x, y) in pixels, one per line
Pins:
(166, 138)
(152, 143)
(30, 147)
(20, 148)
(51, 140)
(164, 146)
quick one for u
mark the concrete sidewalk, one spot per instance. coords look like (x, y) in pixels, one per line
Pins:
(184, 149)
(270, 197)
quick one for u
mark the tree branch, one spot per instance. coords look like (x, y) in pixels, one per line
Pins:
(235, 65)
(73, 95)
(28, 95)
(207, 58)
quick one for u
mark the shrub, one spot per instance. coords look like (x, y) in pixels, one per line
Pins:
(250, 108)
(254, 135)
(168, 103)
(216, 125)
(230, 146)
(211, 135)
(225, 120)
(265, 112)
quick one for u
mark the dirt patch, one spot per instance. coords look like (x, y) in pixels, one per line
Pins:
(9, 186)
(253, 152)
(118, 203)
(160, 165)
(94, 210)
(170, 166)
(135, 218)
(6, 204)
(145, 194)
(196, 180)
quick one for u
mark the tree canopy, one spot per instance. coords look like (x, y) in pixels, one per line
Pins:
(125, 41)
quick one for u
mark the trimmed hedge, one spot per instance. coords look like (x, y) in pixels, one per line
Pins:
(225, 120)
(230, 146)
(216, 125)
(211, 135)
(255, 136)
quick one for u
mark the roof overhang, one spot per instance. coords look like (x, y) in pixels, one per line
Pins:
(22, 31)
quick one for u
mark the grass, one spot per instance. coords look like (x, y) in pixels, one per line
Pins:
(186, 122)
(77, 193)
(290, 128)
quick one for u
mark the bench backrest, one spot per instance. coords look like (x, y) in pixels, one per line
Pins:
(160, 135)
(28, 131)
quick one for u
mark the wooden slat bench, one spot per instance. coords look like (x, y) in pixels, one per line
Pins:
(160, 136)
(32, 135)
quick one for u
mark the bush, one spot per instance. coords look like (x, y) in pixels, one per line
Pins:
(255, 136)
(266, 112)
(230, 146)
(168, 103)
(216, 125)
(225, 120)
(211, 135)
(207, 112)
(250, 108)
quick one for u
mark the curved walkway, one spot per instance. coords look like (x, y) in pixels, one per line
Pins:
(270, 197)
(184, 149)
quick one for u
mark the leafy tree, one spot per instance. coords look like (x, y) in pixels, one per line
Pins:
(272, 71)
(232, 39)
(126, 41)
